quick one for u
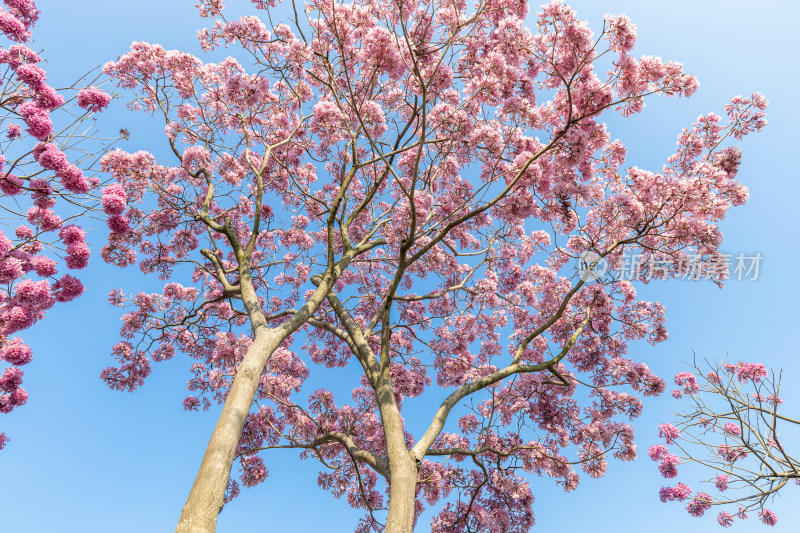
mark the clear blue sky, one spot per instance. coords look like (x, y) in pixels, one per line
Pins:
(85, 459)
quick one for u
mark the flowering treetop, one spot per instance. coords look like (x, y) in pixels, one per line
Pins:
(400, 189)
(40, 165)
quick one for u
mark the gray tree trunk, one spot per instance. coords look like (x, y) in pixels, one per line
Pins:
(199, 514)
(402, 488)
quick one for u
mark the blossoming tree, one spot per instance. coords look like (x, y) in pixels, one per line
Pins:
(733, 427)
(40, 167)
(398, 190)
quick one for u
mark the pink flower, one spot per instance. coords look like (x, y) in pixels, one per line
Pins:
(77, 255)
(116, 297)
(768, 517)
(657, 451)
(374, 118)
(34, 295)
(13, 131)
(774, 400)
(721, 482)
(31, 75)
(23, 232)
(688, 381)
(72, 234)
(5, 244)
(195, 158)
(191, 403)
(73, 180)
(48, 220)
(725, 519)
(16, 318)
(747, 371)
(12, 27)
(253, 471)
(679, 493)
(6, 405)
(134, 368)
(669, 433)
(43, 266)
(11, 379)
(622, 33)
(19, 397)
(16, 352)
(10, 269)
(48, 99)
(668, 466)
(10, 185)
(24, 10)
(114, 199)
(231, 490)
(699, 505)
(37, 119)
(67, 289)
(732, 429)
(731, 454)
(93, 99)
(119, 224)
(19, 54)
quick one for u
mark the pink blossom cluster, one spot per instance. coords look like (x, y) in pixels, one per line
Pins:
(668, 465)
(42, 174)
(731, 454)
(747, 371)
(688, 381)
(134, 367)
(771, 399)
(17, 354)
(768, 517)
(749, 114)
(93, 99)
(732, 429)
(679, 492)
(700, 504)
(669, 432)
(51, 158)
(38, 99)
(114, 201)
(77, 250)
(725, 519)
(17, 19)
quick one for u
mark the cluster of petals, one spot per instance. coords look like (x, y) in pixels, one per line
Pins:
(114, 201)
(747, 371)
(93, 99)
(51, 158)
(700, 504)
(29, 270)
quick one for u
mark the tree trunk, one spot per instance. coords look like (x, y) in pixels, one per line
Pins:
(402, 488)
(403, 466)
(199, 514)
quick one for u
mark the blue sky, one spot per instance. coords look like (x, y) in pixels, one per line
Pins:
(86, 459)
